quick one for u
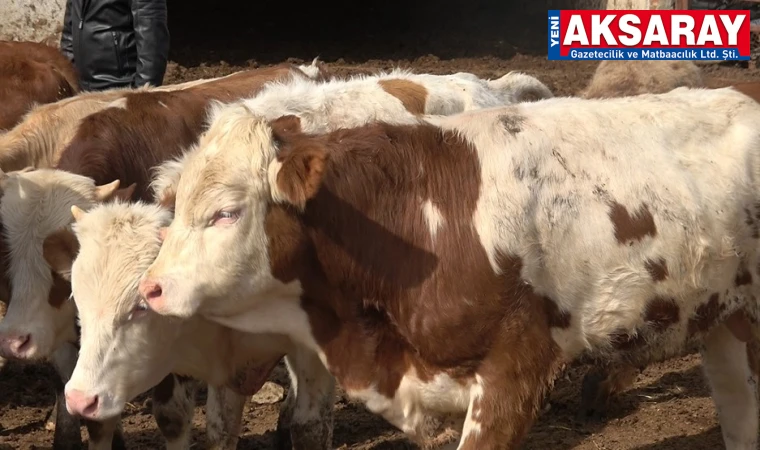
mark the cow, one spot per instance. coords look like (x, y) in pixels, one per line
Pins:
(133, 132)
(32, 73)
(395, 96)
(614, 78)
(451, 266)
(121, 239)
(37, 141)
(603, 382)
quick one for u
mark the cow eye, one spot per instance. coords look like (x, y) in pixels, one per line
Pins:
(140, 310)
(225, 217)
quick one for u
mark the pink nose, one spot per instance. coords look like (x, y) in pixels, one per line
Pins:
(80, 404)
(151, 291)
(15, 345)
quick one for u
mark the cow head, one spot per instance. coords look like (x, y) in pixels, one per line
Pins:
(35, 212)
(125, 348)
(215, 251)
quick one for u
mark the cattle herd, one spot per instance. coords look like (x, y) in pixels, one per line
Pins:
(439, 246)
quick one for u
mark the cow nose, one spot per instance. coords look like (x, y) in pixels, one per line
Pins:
(15, 345)
(80, 404)
(150, 290)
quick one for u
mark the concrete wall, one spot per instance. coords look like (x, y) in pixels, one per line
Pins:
(31, 20)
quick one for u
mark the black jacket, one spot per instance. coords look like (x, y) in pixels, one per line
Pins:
(116, 43)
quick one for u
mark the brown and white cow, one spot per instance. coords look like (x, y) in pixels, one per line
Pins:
(39, 139)
(617, 78)
(452, 265)
(32, 73)
(604, 381)
(397, 96)
(122, 141)
(612, 79)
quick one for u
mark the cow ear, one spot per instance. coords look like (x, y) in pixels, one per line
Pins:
(59, 250)
(167, 198)
(284, 127)
(297, 177)
(77, 212)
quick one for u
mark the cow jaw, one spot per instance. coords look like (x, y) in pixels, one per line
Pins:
(119, 361)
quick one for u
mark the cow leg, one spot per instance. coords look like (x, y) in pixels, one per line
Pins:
(306, 415)
(224, 415)
(600, 384)
(734, 388)
(67, 434)
(173, 408)
(102, 435)
(105, 435)
(510, 384)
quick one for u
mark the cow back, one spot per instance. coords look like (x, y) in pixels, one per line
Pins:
(143, 129)
(32, 73)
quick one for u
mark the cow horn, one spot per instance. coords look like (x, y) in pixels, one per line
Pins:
(77, 212)
(104, 192)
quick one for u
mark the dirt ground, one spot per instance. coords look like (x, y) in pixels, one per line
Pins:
(669, 407)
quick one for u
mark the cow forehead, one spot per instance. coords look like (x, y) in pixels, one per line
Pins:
(118, 242)
(230, 159)
(104, 280)
(39, 184)
(40, 201)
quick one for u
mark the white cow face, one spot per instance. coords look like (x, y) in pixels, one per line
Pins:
(125, 348)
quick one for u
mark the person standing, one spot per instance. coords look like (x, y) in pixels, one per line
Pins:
(116, 43)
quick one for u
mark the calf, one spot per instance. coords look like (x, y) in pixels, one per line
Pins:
(117, 242)
(625, 78)
(546, 230)
(397, 96)
(124, 140)
(32, 73)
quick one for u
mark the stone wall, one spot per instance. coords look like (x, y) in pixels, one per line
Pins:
(42, 19)
(31, 20)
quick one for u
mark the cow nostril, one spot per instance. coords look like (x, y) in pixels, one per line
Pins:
(24, 341)
(19, 344)
(150, 290)
(154, 292)
(92, 406)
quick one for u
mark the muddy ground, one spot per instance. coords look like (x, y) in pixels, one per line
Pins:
(669, 407)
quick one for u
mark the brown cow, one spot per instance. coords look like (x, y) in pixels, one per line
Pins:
(32, 73)
(123, 141)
